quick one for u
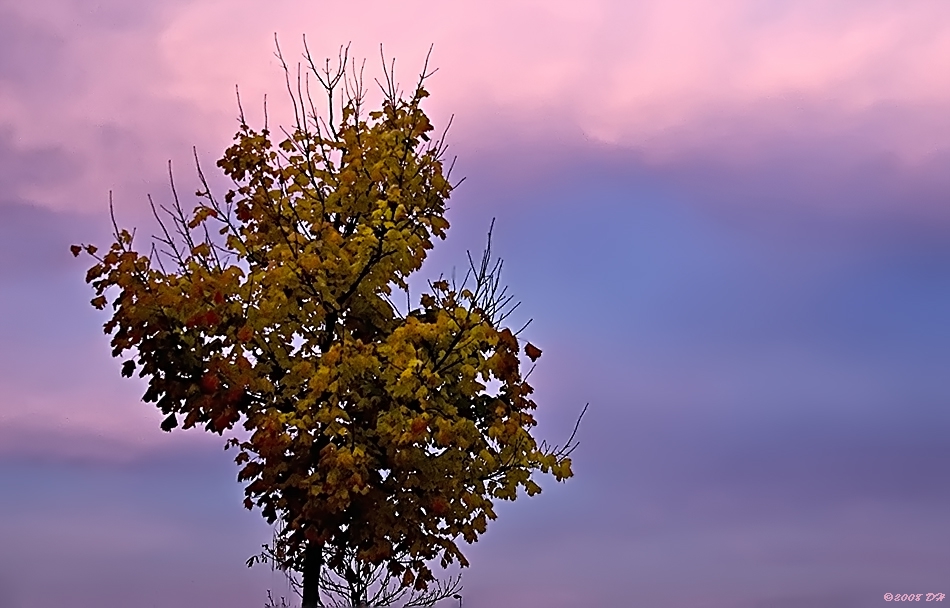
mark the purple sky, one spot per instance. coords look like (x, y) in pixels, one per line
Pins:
(730, 222)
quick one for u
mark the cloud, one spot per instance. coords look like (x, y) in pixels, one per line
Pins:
(676, 81)
(84, 79)
(624, 73)
(742, 109)
(25, 45)
(34, 245)
(22, 167)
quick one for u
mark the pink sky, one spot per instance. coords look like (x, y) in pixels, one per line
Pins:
(667, 79)
(668, 84)
(730, 220)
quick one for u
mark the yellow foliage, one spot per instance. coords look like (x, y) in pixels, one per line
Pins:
(288, 320)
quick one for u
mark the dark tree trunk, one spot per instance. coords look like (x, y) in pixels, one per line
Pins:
(356, 595)
(312, 565)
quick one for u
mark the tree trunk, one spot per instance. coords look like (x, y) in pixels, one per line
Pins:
(312, 565)
(357, 597)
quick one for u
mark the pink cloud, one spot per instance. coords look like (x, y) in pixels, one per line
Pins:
(101, 419)
(716, 88)
(663, 77)
(621, 72)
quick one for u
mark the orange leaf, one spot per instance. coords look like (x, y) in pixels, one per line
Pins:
(532, 351)
(209, 383)
(439, 506)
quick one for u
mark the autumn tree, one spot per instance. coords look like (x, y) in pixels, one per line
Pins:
(355, 581)
(371, 434)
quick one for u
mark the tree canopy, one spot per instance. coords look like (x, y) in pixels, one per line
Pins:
(374, 432)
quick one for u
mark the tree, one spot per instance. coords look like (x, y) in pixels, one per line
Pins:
(372, 437)
(359, 582)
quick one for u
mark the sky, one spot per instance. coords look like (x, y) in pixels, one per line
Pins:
(729, 222)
